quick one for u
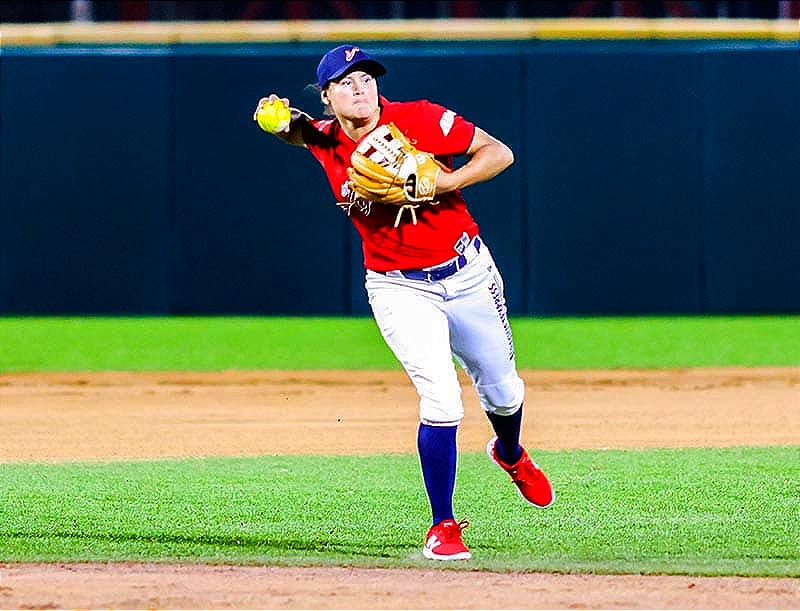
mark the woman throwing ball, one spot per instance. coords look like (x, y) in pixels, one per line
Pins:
(433, 286)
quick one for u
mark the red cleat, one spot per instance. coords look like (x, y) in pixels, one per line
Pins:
(530, 479)
(443, 541)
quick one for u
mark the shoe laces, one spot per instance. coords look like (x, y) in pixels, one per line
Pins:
(452, 528)
(525, 470)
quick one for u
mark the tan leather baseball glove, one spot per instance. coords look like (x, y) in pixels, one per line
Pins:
(388, 169)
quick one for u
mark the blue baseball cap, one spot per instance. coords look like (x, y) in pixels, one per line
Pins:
(343, 59)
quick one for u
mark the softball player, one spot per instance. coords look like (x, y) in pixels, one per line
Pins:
(433, 287)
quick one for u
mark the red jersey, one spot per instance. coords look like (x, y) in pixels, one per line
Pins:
(432, 240)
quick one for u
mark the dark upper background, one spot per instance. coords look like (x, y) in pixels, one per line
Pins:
(651, 177)
(144, 10)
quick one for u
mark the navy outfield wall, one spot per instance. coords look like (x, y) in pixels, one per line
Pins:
(650, 178)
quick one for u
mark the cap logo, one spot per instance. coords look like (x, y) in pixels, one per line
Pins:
(349, 54)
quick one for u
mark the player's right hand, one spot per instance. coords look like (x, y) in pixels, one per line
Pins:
(272, 97)
(272, 114)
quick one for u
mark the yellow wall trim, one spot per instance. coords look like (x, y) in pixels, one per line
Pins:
(161, 32)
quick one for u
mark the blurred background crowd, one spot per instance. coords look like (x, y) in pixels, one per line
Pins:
(32, 11)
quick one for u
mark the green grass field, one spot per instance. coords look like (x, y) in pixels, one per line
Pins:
(700, 511)
(207, 344)
(664, 511)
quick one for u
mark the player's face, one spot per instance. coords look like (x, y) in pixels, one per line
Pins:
(354, 96)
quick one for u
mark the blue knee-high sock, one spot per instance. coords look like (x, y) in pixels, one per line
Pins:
(507, 429)
(437, 456)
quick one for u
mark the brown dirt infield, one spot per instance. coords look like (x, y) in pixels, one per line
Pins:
(109, 416)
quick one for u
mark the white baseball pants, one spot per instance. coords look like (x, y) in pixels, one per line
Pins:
(427, 323)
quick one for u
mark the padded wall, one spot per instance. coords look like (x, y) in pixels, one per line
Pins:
(649, 178)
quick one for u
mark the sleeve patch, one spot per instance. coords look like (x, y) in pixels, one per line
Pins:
(446, 122)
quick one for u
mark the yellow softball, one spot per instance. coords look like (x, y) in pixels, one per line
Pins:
(273, 116)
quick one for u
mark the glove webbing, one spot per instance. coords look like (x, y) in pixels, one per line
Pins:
(389, 149)
(386, 151)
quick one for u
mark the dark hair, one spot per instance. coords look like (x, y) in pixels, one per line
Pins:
(316, 89)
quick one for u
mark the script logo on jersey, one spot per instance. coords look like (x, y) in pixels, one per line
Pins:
(446, 122)
(350, 200)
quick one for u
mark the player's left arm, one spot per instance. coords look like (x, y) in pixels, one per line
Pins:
(488, 156)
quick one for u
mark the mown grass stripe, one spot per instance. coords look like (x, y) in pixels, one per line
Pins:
(699, 511)
(203, 344)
